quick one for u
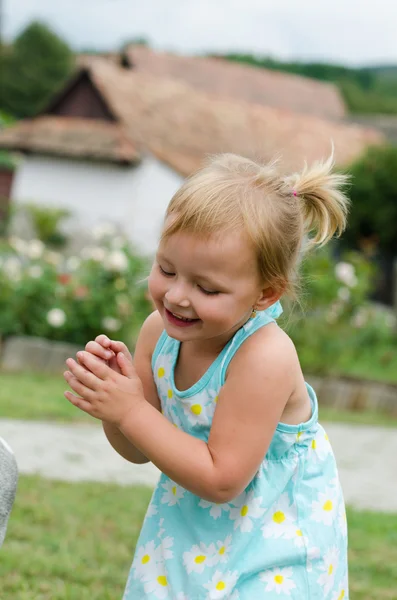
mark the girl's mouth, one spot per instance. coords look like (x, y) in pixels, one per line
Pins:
(179, 321)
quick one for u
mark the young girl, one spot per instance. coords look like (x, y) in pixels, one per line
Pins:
(249, 504)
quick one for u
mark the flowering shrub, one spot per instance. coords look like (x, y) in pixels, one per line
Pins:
(337, 325)
(73, 299)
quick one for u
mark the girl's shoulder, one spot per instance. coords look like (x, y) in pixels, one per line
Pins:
(269, 349)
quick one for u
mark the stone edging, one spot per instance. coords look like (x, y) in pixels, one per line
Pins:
(23, 353)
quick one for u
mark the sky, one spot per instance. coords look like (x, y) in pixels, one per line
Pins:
(350, 32)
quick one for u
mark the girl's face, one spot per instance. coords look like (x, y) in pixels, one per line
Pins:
(204, 288)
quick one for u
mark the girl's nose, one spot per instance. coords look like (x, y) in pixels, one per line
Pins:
(177, 295)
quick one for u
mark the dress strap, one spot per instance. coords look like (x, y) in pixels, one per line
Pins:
(261, 319)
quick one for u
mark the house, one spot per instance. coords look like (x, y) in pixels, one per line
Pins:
(236, 81)
(116, 143)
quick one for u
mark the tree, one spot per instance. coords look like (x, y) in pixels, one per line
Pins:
(33, 69)
(374, 199)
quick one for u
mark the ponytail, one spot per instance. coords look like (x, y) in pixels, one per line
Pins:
(323, 201)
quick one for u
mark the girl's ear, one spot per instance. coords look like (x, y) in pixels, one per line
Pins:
(269, 296)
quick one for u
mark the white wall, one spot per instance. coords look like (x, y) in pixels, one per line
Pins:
(135, 196)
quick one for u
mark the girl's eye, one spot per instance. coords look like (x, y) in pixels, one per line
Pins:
(207, 292)
(166, 273)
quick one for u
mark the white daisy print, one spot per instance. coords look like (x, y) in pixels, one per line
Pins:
(281, 519)
(328, 569)
(158, 583)
(312, 554)
(215, 509)
(223, 550)
(145, 561)
(161, 531)
(152, 510)
(162, 372)
(197, 410)
(246, 508)
(278, 580)
(221, 585)
(300, 540)
(341, 592)
(324, 508)
(342, 519)
(173, 493)
(181, 596)
(199, 557)
(164, 550)
(319, 447)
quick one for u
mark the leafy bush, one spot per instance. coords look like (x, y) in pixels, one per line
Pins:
(338, 327)
(46, 222)
(72, 299)
(374, 198)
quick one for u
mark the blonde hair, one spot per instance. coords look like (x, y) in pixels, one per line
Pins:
(232, 193)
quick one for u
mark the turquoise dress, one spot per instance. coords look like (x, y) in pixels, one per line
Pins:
(284, 537)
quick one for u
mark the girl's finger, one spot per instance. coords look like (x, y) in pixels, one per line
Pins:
(98, 350)
(79, 402)
(120, 347)
(77, 386)
(98, 368)
(84, 376)
(103, 340)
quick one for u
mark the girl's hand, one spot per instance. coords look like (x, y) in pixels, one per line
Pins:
(103, 393)
(106, 350)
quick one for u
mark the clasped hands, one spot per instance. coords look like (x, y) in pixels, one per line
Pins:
(105, 380)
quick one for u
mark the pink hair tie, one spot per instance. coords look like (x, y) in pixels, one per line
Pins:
(294, 192)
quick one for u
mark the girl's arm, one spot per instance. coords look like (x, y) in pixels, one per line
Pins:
(260, 380)
(147, 340)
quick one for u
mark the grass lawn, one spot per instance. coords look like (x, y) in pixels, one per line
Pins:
(36, 396)
(76, 541)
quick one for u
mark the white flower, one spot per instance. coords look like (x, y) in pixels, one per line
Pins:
(103, 230)
(281, 519)
(345, 272)
(300, 540)
(342, 519)
(324, 508)
(116, 261)
(196, 411)
(344, 294)
(158, 583)
(145, 561)
(111, 324)
(360, 319)
(342, 591)
(223, 550)
(94, 253)
(312, 554)
(18, 245)
(162, 372)
(53, 258)
(173, 493)
(319, 446)
(328, 568)
(56, 317)
(221, 585)
(35, 249)
(12, 268)
(161, 529)
(152, 510)
(35, 271)
(215, 509)
(118, 242)
(278, 580)
(163, 551)
(73, 263)
(198, 557)
(246, 508)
